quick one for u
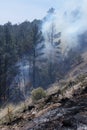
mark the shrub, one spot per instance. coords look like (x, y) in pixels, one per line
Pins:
(9, 115)
(38, 94)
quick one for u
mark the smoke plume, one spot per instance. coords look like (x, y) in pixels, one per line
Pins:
(70, 18)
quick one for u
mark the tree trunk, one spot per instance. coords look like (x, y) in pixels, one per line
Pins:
(34, 69)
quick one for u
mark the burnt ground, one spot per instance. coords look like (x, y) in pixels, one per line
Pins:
(64, 114)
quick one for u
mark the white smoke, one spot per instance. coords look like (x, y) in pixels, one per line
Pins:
(70, 18)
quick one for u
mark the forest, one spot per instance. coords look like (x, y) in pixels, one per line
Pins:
(43, 65)
(30, 59)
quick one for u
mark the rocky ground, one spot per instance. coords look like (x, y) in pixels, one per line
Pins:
(54, 113)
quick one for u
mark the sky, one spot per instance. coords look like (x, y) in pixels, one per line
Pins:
(70, 15)
(17, 11)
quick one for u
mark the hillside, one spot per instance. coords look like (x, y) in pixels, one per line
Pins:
(43, 65)
(65, 109)
(80, 68)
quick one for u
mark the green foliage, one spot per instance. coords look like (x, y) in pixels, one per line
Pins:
(16, 41)
(36, 39)
(26, 40)
(38, 94)
(54, 40)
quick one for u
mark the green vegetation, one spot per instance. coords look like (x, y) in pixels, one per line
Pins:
(47, 65)
(38, 94)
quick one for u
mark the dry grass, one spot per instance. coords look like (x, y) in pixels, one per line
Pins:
(53, 89)
(8, 113)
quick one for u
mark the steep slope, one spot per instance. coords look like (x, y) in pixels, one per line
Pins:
(80, 68)
(66, 109)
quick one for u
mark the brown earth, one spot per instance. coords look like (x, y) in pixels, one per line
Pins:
(54, 113)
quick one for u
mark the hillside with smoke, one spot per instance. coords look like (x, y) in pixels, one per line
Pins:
(42, 52)
(70, 18)
(43, 67)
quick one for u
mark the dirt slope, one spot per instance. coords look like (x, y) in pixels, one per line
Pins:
(80, 68)
(57, 111)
